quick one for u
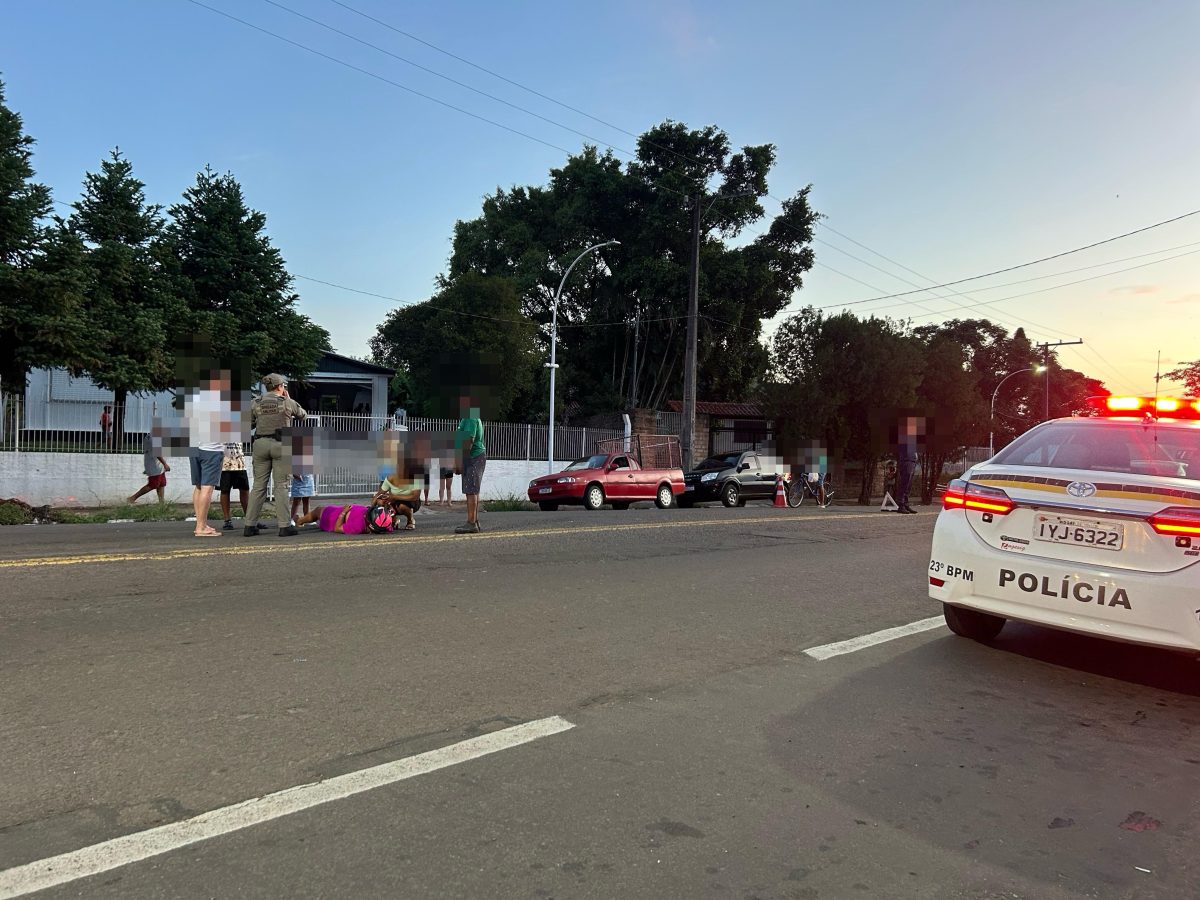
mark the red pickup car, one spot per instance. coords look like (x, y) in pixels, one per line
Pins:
(614, 478)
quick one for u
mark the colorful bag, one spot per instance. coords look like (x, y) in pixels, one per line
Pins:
(379, 520)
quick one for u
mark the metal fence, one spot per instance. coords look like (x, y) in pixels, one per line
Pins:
(79, 428)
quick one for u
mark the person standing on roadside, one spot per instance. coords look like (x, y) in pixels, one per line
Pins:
(269, 415)
(471, 453)
(906, 462)
(208, 411)
(233, 477)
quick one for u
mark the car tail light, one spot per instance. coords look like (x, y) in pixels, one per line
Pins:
(1177, 520)
(968, 495)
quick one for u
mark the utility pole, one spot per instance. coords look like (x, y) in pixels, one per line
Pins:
(1045, 348)
(689, 358)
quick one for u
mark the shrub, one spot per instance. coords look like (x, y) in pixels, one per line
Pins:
(15, 513)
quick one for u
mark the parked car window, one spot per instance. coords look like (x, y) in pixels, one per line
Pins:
(721, 461)
(590, 462)
(620, 463)
(751, 463)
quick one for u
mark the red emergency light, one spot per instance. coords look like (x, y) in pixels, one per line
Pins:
(1156, 407)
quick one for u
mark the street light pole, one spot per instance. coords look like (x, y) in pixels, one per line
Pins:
(992, 411)
(553, 364)
(688, 429)
(689, 356)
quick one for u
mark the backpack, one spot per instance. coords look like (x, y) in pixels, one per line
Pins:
(379, 520)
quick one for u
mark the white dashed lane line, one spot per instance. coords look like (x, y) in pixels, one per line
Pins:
(131, 848)
(827, 651)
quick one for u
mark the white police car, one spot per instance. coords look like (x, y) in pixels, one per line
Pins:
(1087, 524)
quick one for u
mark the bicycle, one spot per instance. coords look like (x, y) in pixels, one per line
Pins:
(821, 490)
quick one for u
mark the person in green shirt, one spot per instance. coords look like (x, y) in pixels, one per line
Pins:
(471, 452)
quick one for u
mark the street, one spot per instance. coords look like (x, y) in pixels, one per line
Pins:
(685, 746)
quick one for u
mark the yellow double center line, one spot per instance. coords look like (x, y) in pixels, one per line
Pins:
(274, 546)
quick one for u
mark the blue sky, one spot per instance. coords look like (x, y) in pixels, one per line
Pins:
(954, 138)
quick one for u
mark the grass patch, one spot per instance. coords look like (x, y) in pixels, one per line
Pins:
(509, 503)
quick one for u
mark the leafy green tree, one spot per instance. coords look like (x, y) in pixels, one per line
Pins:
(41, 268)
(469, 333)
(130, 309)
(1189, 374)
(845, 381)
(235, 288)
(948, 396)
(530, 234)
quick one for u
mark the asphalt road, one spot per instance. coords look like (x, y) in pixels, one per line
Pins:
(150, 677)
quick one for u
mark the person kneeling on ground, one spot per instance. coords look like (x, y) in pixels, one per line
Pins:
(348, 519)
(403, 498)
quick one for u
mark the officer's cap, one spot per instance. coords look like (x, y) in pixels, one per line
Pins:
(270, 382)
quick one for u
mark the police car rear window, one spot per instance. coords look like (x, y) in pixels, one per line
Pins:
(1130, 448)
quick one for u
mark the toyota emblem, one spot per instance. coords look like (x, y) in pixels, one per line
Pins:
(1081, 489)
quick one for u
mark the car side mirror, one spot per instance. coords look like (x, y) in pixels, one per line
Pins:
(743, 467)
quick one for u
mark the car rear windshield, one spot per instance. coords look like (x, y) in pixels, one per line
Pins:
(591, 462)
(1171, 451)
(727, 461)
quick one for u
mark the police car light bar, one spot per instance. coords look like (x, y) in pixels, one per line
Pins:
(1159, 407)
(967, 495)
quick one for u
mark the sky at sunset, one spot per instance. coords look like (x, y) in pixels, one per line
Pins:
(942, 140)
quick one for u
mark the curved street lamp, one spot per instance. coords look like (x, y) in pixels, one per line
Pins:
(992, 411)
(553, 365)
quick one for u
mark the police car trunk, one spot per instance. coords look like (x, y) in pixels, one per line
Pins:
(1087, 518)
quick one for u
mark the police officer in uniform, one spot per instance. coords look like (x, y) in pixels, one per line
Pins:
(269, 415)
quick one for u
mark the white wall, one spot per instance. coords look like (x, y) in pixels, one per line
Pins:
(88, 479)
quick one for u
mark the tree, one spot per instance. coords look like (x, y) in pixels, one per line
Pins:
(847, 380)
(129, 307)
(1189, 374)
(948, 396)
(234, 286)
(470, 334)
(638, 291)
(41, 268)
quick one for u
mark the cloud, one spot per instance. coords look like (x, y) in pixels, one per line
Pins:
(1186, 298)
(1136, 289)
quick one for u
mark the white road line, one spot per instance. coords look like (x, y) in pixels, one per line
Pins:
(826, 651)
(122, 851)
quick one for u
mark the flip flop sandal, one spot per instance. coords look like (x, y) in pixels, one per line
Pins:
(410, 527)
(209, 533)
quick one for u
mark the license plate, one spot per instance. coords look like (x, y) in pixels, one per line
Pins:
(689, 487)
(1082, 532)
(545, 490)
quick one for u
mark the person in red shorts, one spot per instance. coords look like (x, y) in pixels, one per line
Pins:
(156, 470)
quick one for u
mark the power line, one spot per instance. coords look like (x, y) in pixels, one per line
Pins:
(1026, 265)
(370, 74)
(1053, 287)
(1099, 265)
(444, 77)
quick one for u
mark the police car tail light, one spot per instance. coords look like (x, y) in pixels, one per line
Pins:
(1181, 521)
(968, 495)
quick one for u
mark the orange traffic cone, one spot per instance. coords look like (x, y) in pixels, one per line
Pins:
(780, 493)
